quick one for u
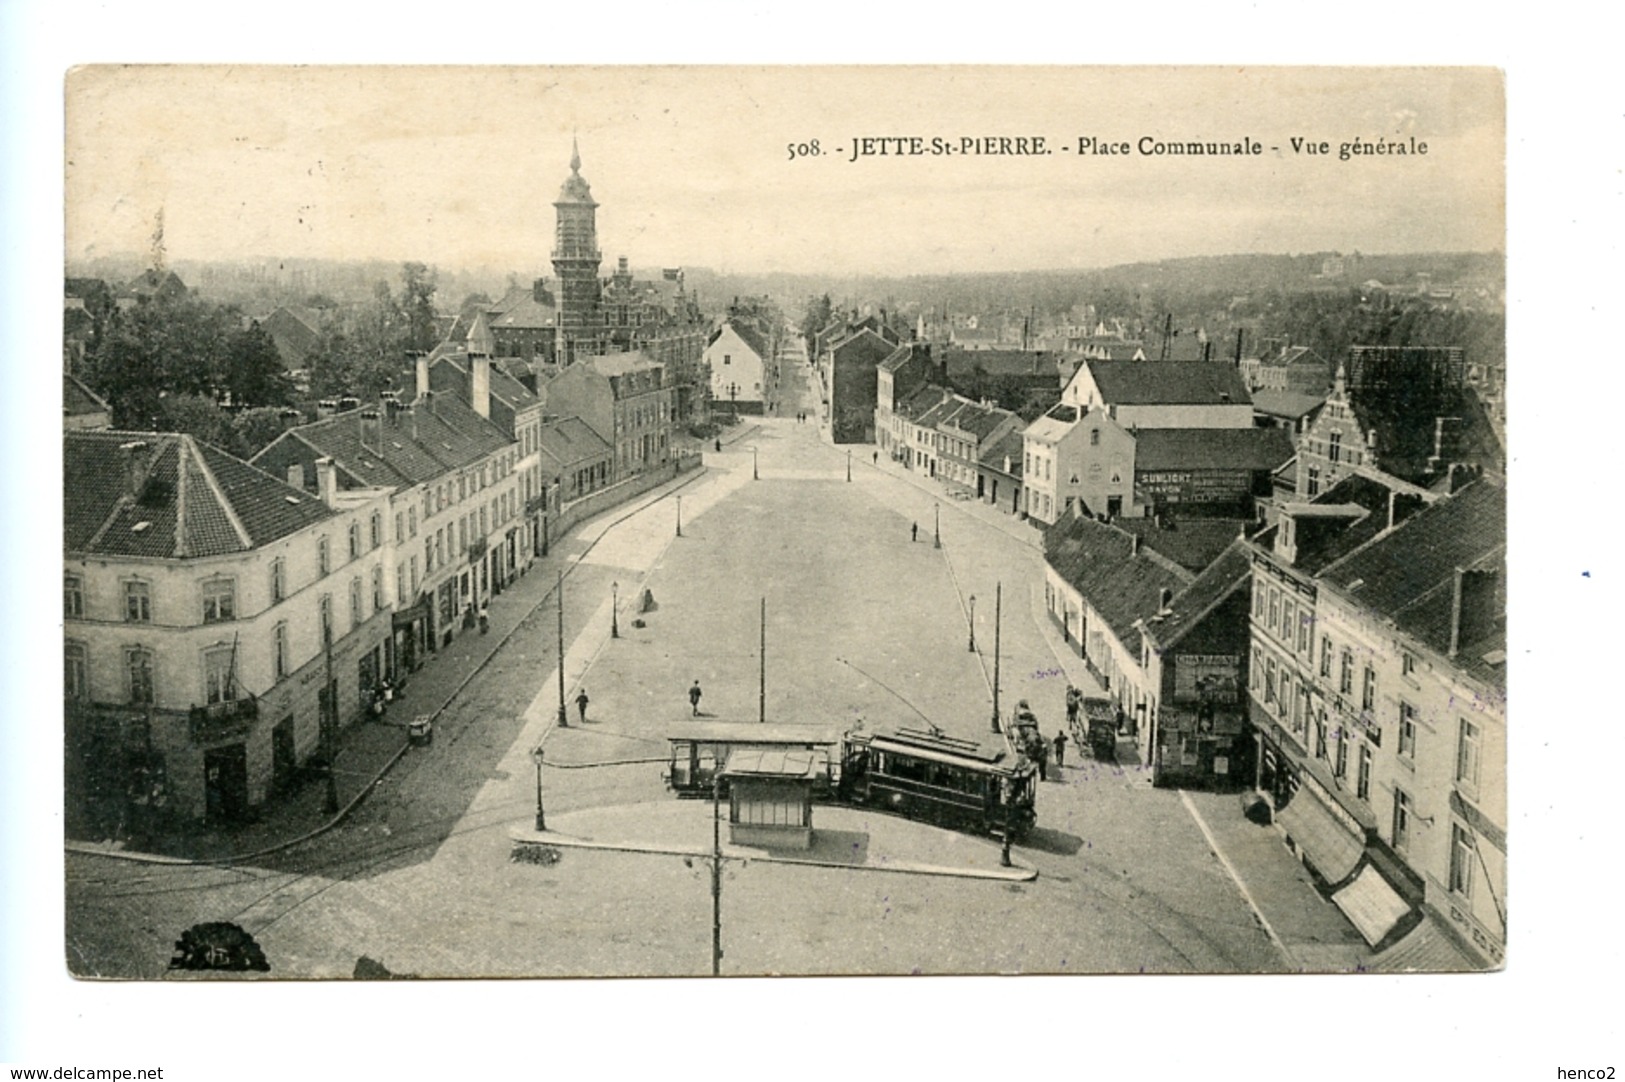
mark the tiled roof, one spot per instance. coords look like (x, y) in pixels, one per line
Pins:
(978, 420)
(1168, 383)
(922, 401)
(752, 338)
(1354, 491)
(1289, 404)
(1002, 362)
(571, 440)
(414, 446)
(503, 386)
(519, 310)
(1050, 427)
(1294, 355)
(1407, 575)
(1192, 543)
(1211, 448)
(896, 359)
(1098, 559)
(1230, 571)
(1009, 446)
(191, 499)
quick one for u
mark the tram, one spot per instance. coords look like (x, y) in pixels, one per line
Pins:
(944, 780)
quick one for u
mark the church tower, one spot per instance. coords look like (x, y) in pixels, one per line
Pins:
(575, 263)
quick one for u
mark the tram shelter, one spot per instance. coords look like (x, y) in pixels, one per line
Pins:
(770, 797)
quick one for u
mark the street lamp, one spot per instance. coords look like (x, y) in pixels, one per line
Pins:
(564, 717)
(849, 464)
(936, 518)
(755, 475)
(541, 816)
(679, 516)
(614, 615)
(973, 623)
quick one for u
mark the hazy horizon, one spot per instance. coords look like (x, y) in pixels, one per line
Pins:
(691, 167)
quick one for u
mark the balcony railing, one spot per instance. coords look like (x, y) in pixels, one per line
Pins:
(226, 718)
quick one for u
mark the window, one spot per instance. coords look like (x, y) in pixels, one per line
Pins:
(1362, 781)
(377, 532)
(75, 672)
(1258, 599)
(1314, 481)
(1304, 637)
(1345, 680)
(1257, 673)
(138, 602)
(400, 527)
(219, 601)
(138, 663)
(400, 585)
(1325, 657)
(1340, 766)
(412, 522)
(220, 675)
(323, 557)
(428, 555)
(1467, 753)
(1269, 680)
(1334, 448)
(1289, 617)
(377, 588)
(327, 620)
(355, 602)
(1094, 437)
(1368, 689)
(1275, 609)
(73, 596)
(1403, 813)
(1461, 860)
(279, 647)
(279, 580)
(1320, 736)
(1407, 664)
(1407, 731)
(355, 540)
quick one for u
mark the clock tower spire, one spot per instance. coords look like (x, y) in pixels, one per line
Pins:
(575, 263)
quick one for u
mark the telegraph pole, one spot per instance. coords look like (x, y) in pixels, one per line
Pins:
(716, 874)
(762, 697)
(564, 717)
(998, 604)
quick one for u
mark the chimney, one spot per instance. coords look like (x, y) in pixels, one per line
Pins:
(412, 416)
(296, 475)
(1134, 544)
(421, 361)
(135, 467)
(327, 481)
(1472, 608)
(539, 292)
(1165, 598)
(290, 418)
(1401, 506)
(372, 435)
(326, 408)
(479, 379)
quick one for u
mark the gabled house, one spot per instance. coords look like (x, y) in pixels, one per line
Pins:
(1163, 394)
(962, 436)
(625, 399)
(999, 470)
(221, 625)
(904, 371)
(739, 362)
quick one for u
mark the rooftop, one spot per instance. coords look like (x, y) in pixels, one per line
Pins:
(1211, 448)
(1100, 561)
(1168, 383)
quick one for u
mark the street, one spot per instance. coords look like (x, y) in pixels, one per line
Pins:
(862, 623)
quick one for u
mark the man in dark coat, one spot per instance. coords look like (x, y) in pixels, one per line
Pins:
(694, 698)
(581, 703)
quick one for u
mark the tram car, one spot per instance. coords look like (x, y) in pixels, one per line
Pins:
(925, 775)
(699, 750)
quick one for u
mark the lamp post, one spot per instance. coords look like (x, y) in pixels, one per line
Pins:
(755, 475)
(614, 606)
(936, 518)
(973, 623)
(541, 816)
(849, 464)
(679, 516)
(998, 604)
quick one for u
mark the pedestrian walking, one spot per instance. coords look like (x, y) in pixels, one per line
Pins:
(1042, 750)
(1074, 700)
(914, 532)
(485, 618)
(581, 703)
(694, 698)
(1060, 749)
(877, 458)
(719, 447)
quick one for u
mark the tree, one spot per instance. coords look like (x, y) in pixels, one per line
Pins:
(197, 416)
(417, 304)
(255, 376)
(819, 312)
(254, 429)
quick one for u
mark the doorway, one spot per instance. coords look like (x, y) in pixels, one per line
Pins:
(225, 783)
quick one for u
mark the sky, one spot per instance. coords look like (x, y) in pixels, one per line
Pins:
(692, 166)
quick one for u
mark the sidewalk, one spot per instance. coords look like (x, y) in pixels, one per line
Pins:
(850, 838)
(370, 747)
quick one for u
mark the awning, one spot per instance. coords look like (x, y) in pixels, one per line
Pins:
(1427, 948)
(1328, 846)
(1371, 904)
